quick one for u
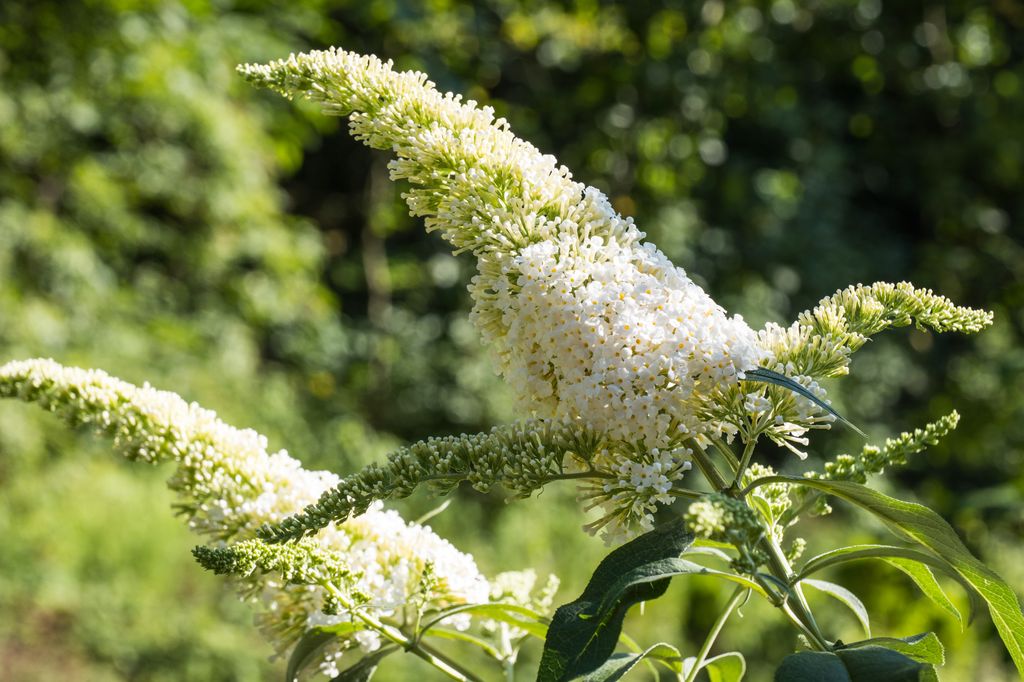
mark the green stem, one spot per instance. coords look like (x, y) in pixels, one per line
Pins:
(780, 567)
(727, 453)
(748, 452)
(708, 468)
(685, 492)
(738, 595)
(782, 570)
(434, 658)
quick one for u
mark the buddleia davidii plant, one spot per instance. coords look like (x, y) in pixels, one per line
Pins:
(341, 601)
(629, 376)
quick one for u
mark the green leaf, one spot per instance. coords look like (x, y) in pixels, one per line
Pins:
(307, 649)
(863, 664)
(922, 525)
(915, 563)
(929, 586)
(925, 647)
(487, 647)
(620, 664)
(364, 669)
(521, 617)
(845, 596)
(769, 377)
(727, 667)
(584, 632)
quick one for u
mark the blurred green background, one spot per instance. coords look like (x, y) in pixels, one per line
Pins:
(163, 221)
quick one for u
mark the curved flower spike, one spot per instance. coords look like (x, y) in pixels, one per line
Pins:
(586, 322)
(228, 485)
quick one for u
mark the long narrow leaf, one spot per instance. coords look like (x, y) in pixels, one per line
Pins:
(929, 586)
(769, 377)
(620, 664)
(916, 564)
(845, 596)
(920, 524)
(727, 667)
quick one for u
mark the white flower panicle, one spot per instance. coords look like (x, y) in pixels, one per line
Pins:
(586, 321)
(229, 485)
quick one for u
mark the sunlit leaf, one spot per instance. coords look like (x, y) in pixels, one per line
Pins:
(620, 664)
(925, 647)
(845, 596)
(920, 524)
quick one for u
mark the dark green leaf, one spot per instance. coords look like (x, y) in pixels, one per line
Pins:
(863, 664)
(306, 650)
(364, 669)
(812, 666)
(769, 377)
(583, 633)
(920, 524)
(925, 647)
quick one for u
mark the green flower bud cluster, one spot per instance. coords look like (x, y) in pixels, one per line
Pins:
(874, 460)
(820, 342)
(521, 457)
(722, 518)
(301, 563)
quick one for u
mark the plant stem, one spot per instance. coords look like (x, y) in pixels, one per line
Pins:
(428, 654)
(779, 565)
(738, 595)
(782, 570)
(748, 452)
(727, 453)
(708, 468)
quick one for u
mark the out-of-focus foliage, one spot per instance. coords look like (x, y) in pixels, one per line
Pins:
(778, 150)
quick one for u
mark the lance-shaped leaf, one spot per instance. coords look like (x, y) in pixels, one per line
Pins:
(930, 587)
(769, 377)
(917, 564)
(845, 596)
(920, 524)
(584, 632)
(727, 667)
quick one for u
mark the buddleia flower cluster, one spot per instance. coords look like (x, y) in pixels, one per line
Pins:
(228, 485)
(586, 321)
(596, 330)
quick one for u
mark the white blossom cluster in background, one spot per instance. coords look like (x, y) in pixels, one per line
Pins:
(229, 485)
(586, 321)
